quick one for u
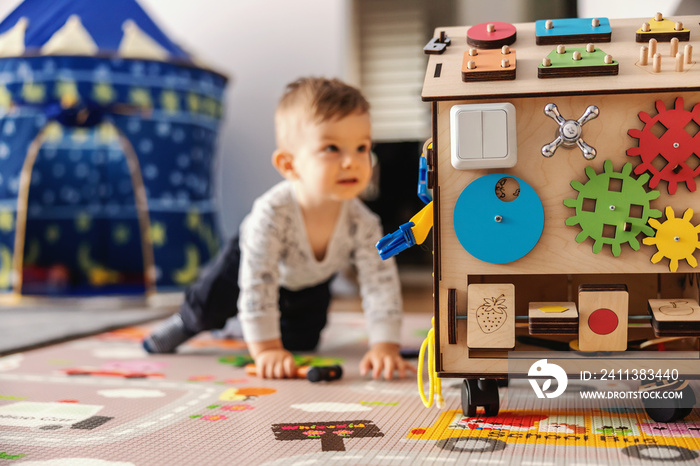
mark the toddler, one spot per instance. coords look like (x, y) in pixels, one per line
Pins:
(298, 235)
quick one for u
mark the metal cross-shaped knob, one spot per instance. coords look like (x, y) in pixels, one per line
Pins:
(569, 132)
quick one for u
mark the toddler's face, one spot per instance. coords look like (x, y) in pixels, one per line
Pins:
(332, 160)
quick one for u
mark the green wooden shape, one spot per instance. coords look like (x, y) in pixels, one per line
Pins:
(564, 60)
(614, 193)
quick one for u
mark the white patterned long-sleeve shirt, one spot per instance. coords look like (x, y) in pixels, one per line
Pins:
(275, 252)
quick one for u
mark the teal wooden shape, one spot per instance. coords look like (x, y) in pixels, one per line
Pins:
(493, 230)
(572, 30)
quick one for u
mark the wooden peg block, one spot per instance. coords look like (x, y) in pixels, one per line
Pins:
(572, 31)
(492, 35)
(688, 53)
(487, 65)
(576, 62)
(603, 313)
(652, 48)
(491, 316)
(662, 29)
(556, 318)
(656, 64)
(675, 317)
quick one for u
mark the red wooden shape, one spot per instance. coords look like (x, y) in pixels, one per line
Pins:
(603, 321)
(672, 135)
(503, 34)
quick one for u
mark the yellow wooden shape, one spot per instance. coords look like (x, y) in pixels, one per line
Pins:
(553, 309)
(676, 238)
(665, 25)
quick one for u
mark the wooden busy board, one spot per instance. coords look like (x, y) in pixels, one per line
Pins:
(620, 99)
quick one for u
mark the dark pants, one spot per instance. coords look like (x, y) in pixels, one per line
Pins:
(213, 298)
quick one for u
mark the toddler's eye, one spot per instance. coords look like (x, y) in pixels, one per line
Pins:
(362, 149)
(331, 148)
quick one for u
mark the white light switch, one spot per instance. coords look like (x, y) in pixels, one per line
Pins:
(483, 136)
(469, 126)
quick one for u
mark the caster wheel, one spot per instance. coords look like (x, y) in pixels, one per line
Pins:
(491, 410)
(663, 413)
(468, 408)
(480, 392)
(671, 409)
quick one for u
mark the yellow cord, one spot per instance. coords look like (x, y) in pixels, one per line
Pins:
(435, 384)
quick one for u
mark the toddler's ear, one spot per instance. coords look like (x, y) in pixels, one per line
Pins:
(284, 163)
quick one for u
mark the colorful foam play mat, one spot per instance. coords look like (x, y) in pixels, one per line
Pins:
(103, 401)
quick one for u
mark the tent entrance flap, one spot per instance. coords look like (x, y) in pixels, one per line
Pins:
(82, 217)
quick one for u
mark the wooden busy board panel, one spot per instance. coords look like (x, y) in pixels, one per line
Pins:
(447, 84)
(557, 250)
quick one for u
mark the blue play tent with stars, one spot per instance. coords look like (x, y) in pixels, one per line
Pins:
(107, 137)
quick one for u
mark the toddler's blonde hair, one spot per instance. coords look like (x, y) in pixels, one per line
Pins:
(314, 100)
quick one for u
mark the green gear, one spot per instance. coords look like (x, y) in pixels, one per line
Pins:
(612, 208)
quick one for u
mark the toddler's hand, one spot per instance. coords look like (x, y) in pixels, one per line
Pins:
(275, 364)
(385, 357)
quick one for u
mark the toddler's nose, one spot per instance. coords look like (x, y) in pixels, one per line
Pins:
(347, 160)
